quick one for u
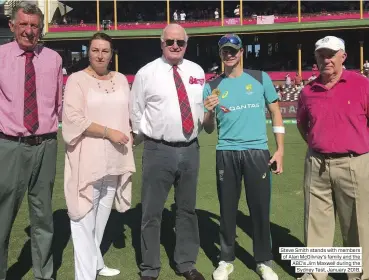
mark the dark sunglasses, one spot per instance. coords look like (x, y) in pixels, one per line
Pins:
(180, 43)
(231, 39)
(227, 50)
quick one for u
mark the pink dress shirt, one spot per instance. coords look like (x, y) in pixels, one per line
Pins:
(89, 159)
(49, 87)
(336, 119)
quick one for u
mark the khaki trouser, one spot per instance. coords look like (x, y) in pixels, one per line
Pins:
(337, 185)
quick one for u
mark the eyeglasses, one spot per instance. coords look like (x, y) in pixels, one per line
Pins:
(180, 43)
(231, 39)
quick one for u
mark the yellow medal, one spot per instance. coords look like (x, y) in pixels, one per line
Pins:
(216, 92)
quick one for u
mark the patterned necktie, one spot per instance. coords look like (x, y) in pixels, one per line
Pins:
(186, 114)
(30, 117)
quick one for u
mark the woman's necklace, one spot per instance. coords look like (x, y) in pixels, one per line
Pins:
(110, 88)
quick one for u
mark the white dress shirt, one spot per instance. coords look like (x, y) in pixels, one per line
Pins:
(154, 106)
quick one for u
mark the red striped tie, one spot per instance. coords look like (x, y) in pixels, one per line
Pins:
(186, 114)
(30, 118)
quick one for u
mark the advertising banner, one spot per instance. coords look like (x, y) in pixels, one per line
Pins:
(232, 21)
(288, 109)
(265, 19)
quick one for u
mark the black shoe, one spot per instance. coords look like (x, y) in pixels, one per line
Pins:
(193, 274)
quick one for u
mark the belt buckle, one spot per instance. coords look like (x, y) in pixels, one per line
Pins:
(38, 140)
(33, 140)
(327, 156)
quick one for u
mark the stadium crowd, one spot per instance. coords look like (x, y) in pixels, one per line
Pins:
(154, 12)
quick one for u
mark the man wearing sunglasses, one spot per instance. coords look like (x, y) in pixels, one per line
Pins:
(167, 109)
(236, 101)
(332, 117)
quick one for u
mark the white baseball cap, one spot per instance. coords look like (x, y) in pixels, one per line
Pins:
(331, 43)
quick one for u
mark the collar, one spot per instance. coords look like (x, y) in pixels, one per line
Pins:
(17, 51)
(169, 66)
(342, 79)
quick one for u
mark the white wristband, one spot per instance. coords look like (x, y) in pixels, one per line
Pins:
(278, 129)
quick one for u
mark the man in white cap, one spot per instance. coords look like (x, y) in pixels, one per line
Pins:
(332, 118)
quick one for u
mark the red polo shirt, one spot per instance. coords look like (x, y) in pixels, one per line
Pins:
(336, 119)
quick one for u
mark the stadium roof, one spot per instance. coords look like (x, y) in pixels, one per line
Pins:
(218, 30)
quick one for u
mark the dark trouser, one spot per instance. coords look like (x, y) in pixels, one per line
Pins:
(162, 167)
(252, 165)
(25, 167)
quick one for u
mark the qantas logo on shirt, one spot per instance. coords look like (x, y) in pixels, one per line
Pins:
(224, 109)
(244, 106)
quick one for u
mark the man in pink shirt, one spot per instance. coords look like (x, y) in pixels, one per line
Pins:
(30, 101)
(332, 118)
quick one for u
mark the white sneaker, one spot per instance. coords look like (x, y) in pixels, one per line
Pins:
(265, 272)
(106, 271)
(222, 271)
(306, 276)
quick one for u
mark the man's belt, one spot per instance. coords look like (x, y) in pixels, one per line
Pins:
(32, 140)
(172, 144)
(337, 155)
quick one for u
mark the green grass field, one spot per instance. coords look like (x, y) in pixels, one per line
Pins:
(121, 243)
